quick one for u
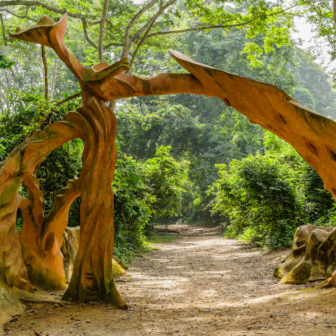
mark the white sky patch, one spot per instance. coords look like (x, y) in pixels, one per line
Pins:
(305, 33)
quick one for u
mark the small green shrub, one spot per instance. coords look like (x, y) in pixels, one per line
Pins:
(144, 193)
(260, 196)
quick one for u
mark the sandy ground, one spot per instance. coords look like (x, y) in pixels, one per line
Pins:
(200, 284)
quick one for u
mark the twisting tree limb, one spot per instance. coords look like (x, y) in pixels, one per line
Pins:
(137, 16)
(38, 3)
(113, 45)
(19, 16)
(53, 83)
(102, 31)
(149, 26)
(169, 32)
(86, 33)
(68, 99)
(45, 66)
(137, 35)
(3, 29)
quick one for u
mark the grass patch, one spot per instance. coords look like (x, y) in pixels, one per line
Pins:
(163, 239)
(150, 244)
(306, 289)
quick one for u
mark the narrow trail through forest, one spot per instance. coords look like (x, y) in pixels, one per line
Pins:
(199, 284)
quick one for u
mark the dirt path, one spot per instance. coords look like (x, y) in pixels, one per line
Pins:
(198, 285)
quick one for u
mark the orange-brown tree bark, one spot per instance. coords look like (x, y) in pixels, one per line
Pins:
(92, 278)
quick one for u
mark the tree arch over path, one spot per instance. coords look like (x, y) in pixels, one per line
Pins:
(35, 256)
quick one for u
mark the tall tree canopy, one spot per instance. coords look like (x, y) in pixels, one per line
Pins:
(118, 29)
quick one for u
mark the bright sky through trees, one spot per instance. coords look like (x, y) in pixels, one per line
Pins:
(305, 33)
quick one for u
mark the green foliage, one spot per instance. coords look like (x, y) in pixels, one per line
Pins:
(265, 197)
(144, 193)
(318, 201)
(329, 218)
(304, 96)
(4, 63)
(163, 239)
(132, 201)
(29, 112)
(168, 180)
(255, 195)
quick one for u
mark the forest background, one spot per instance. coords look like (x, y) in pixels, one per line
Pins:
(180, 157)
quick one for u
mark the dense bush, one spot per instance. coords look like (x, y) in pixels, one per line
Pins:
(144, 193)
(259, 202)
(265, 197)
(132, 201)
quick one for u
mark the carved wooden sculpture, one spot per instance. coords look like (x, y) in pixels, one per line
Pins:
(311, 134)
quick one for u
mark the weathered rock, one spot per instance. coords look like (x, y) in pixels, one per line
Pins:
(313, 256)
(70, 245)
(120, 262)
(117, 269)
(9, 304)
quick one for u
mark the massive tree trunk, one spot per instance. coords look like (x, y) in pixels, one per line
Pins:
(92, 278)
